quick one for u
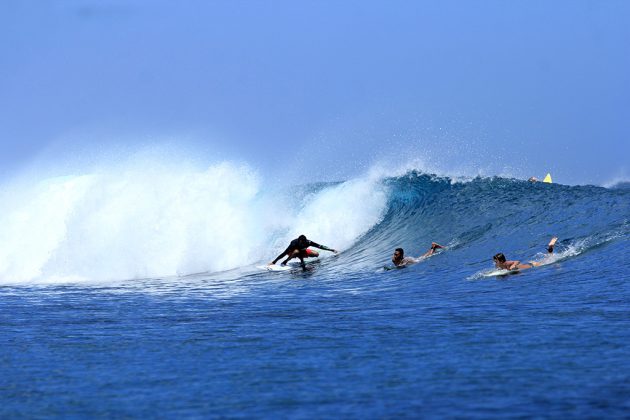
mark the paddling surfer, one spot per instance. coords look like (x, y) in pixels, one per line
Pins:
(400, 260)
(501, 262)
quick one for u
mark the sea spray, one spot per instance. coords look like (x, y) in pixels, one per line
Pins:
(135, 222)
(153, 219)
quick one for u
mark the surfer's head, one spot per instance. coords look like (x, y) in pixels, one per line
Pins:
(499, 257)
(398, 254)
(302, 240)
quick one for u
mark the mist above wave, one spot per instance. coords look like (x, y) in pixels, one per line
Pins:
(149, 219)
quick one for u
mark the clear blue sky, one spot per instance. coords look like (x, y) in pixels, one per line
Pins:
(323, 88)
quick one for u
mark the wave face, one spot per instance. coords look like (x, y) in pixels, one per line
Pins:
(138, 223)
(480, 217)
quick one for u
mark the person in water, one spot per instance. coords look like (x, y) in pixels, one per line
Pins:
(400, 260)
(501, 262)
(299, 248)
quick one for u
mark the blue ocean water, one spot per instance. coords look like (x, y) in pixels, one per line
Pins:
(89, 337)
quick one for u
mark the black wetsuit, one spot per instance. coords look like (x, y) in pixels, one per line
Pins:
(300, 245)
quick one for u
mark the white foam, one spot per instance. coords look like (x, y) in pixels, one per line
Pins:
(617, 180)
(152, 219)
(338, 215)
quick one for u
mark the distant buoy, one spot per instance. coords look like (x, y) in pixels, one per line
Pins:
(548, 179)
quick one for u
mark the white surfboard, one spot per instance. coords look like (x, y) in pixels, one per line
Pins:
(497, 272)
(275, 267)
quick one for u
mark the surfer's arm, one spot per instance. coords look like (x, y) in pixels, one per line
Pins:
(551, 245)
(285, 252)
(406, 261)
(511, 265)
(277, 258)
(324, 247)
(431, 250)
(507, 265)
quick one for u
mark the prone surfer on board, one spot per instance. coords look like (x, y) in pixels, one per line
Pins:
(501, 262)
(400, 260)
(299, 248)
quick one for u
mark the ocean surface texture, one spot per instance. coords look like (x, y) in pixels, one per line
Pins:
(135, 295)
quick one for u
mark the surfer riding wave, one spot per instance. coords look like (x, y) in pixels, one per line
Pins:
(299, 248)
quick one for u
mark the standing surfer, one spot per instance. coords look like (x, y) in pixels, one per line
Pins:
(299, 248)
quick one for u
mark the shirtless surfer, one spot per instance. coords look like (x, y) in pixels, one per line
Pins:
(500, 261)
(299, 248)
(400, 260)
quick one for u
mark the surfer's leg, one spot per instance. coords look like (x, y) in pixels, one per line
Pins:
(309, 253)
(524, 266)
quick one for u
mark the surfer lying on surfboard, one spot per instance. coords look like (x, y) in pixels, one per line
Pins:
(400, 260)
(500, 261)
(299, 248)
